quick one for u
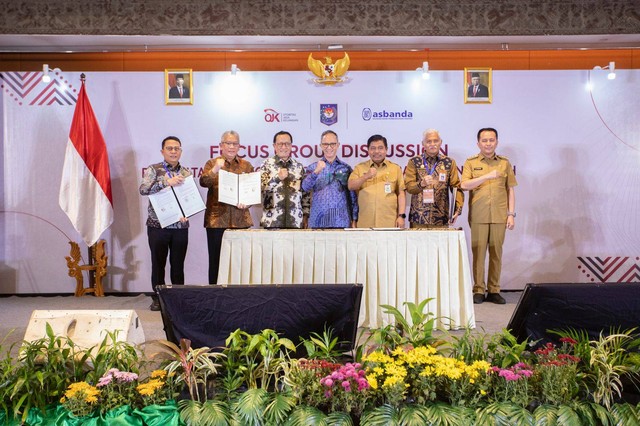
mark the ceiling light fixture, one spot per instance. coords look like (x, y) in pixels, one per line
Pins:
(334, 46)
(425, 70)
(612, 70)
(45, 73)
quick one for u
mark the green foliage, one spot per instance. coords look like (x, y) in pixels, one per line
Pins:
(209, 413)
(8, 369)
(625, 414)
(196, 368)
(417, 330)
(322, 346)
(259, 359)
(503, 349)
(608, 362)
(46, 367)
(384, 415)
(504, 414)
(111, 353)
(304, 415)
(470, 346)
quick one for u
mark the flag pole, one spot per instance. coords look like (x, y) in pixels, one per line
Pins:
(90, 249)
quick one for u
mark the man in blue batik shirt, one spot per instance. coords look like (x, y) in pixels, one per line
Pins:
(332, 204)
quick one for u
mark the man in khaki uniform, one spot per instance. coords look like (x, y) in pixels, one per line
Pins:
(490, 179)
(380, 187)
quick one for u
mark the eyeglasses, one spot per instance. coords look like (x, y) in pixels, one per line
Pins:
(283, 144)
(231, 143)
(329, 145)
(173, 148)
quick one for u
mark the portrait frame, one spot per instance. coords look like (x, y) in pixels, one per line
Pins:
(171, 95)
(484, 92)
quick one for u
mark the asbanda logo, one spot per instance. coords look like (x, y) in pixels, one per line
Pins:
(273, 116)
(367, 115)
(328, 114)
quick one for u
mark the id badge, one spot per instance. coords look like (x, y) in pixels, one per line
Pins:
(428, 196)
(387, 188)
(442, 177)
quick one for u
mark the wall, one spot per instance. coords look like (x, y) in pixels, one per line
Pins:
(576, 154)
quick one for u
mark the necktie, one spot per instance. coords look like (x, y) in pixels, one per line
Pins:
(180, 91)
(475, 90)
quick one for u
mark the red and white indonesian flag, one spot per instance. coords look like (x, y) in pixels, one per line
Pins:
(85, 190)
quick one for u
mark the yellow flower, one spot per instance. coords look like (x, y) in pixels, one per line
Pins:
(373, 382)
(158, 374)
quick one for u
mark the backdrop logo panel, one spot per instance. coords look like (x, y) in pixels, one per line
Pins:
(273, 116)
(384, 114)
(328, 114)
(610, 269)
(28, 88)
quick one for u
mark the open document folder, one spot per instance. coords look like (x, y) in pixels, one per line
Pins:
(237, 189)
(175, 202)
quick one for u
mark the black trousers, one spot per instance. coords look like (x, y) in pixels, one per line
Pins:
(163, 243)
(214, 243)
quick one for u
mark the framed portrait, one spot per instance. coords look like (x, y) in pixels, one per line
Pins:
(178, 87)
(478, 87)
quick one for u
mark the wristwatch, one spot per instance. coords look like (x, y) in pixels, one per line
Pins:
(511, 214)
(404, 216)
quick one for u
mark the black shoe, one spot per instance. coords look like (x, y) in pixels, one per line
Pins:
(478, 298)
(155, 306)
(496, 298)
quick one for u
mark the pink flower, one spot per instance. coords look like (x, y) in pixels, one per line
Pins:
(125, 377)
(328, 382)
(104, 381)
(346, 385)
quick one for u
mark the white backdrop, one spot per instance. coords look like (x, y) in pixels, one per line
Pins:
(576, 153)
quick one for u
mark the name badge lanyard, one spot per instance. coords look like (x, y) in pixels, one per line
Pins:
(430, 171)
(426, 166)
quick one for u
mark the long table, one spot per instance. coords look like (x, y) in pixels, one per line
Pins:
(394, 266)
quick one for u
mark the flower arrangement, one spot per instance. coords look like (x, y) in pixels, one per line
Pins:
(303, 379)
(80, 398)
(556, 372)
(345, 389)
(158, 388)
(421, 375)
(511, 384)
(578, 379)
(117, 388)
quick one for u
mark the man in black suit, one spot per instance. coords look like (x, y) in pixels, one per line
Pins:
(477, 90)
(179, 90)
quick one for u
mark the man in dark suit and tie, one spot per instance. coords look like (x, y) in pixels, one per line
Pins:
(477, 90)
(179, 90)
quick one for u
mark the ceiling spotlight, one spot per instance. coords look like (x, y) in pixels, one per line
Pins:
(45, 73)
(234, 69)
(425, 70)
(612, 70)
(334, 46)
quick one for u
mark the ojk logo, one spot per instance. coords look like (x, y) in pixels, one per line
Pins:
(271, 116)
(366, 114)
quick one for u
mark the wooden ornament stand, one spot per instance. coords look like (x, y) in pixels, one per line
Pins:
(97, 268)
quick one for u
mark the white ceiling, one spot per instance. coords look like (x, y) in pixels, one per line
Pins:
(92, 43)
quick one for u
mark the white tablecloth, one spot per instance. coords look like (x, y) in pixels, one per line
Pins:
(394, 266)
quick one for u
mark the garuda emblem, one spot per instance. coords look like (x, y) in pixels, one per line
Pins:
(328, 72)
